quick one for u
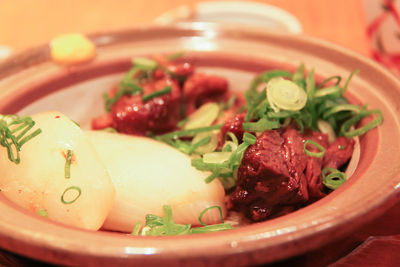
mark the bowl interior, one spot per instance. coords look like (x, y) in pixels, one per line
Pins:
(31, 83)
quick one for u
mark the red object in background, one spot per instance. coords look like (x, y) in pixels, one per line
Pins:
(379, 53)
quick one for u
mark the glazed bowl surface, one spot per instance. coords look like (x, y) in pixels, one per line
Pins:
(31, 82)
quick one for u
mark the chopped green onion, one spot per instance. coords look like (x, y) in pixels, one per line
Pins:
(319, 154)
(71, 188)
(216, 157)
(14, 134)
(261, 125)
(67, 167)
(205, 142)
(346, 84)
(207, 209)
(346, 126)
(127, 86)
(334, 179)
(298, 76)
(203, 116)
(337, 78)
(189, 132)
(175, 56)
(110, 130)
(310, 85)
(334, 92)
(43, 213)
(198, 144)
(285, 94)
(144, 63)
(136, 228)
(211, 228)
(165, 226)
(339, 108)
(158, 93)
(228, 104)
(249, 138)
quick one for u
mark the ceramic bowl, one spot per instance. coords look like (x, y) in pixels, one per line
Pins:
(31, 82)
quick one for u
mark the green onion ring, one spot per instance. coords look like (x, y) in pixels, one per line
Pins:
(338, 79)
(345, 129)
(207, 209)
(334, 179)
(336, 109)
(167, 89)
(68, 189)
(314, 154)
(328, 91)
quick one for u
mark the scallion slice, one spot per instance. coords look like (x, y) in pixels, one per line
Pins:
(310, 153)
(261, 125)
(71, 188)
(144, 63)
(207, 209)
(189, 132)
(285, 94)
(136, 228)
(158, 93)
(346, 126)
(204, 116)
(14, 133)
(67, 167)
(43, 213)
(333, 178)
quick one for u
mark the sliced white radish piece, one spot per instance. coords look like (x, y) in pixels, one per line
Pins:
(40, 181)
(148, 174)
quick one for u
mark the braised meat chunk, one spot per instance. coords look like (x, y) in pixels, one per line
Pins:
(271, 175)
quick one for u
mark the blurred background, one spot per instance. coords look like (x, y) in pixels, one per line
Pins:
(27, 23)
(367, 27)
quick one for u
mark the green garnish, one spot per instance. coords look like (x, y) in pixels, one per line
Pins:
(189, 132)
(14, 133)
(43, 213)
(319, 154)
(128, 86)
(165, 226)
(333, 178)
(175, 56)
(345, 129)
(207, 209)
(285, 95)
(144, 63)
(71, 188)
(158, 93)
(136, 228)
(324, 101)
(67, 167)
(225, 170)
(110, 130)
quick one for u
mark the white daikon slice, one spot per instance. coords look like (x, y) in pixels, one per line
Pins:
(39, 183)
(148, 174)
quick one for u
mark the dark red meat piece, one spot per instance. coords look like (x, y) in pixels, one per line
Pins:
(314, 165)
(233, 125)
(271, 175)
(131, 115)
(339, 152)
(201, 88)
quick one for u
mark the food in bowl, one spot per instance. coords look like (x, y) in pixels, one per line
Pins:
(279, 153)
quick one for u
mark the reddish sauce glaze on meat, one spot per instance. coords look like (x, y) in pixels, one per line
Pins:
(275, 175)
(131, 115)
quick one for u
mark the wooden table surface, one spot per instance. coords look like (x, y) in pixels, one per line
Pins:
(26, 23)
